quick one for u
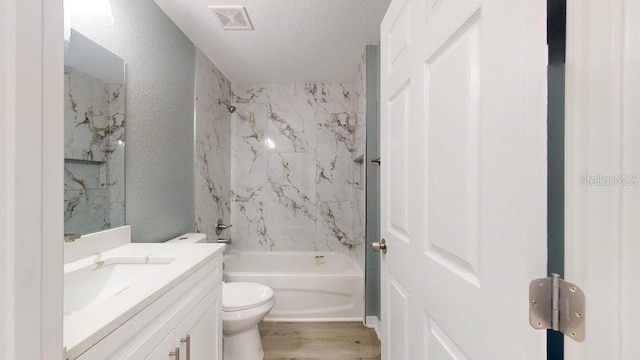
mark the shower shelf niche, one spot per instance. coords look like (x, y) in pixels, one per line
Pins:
(81, 174)
(83, 161)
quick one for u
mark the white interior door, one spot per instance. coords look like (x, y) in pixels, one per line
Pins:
(463, 182)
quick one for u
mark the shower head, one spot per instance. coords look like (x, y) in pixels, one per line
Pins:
(230, 107)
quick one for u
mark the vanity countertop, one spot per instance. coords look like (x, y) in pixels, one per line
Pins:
(122, 282)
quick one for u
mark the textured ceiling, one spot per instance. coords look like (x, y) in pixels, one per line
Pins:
(293, 40)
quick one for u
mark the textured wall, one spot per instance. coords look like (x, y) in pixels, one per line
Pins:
(213, 147)
(159, 105)
(372, 202)
(292, 154)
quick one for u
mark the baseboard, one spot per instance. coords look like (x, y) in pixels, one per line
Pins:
(374, 323)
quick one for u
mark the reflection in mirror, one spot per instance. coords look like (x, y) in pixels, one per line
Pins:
(94, 82)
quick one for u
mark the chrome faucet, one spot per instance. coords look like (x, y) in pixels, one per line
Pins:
(224, 241)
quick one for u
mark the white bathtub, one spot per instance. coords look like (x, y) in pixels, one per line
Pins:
(308, 286)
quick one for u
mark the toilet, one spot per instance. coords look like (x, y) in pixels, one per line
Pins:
(244, 305)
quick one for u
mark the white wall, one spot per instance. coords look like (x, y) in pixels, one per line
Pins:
(159, 107)
(31, 153)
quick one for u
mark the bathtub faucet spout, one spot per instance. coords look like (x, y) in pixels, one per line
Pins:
(224, 241)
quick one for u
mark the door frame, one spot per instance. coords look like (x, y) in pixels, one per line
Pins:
(31, 179)
(602, 132)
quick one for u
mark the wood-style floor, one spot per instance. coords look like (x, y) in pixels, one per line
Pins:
(325, 340)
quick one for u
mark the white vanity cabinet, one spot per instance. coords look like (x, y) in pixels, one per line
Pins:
(165, 349)
(196, 337)
(196, 330)
(184, 323)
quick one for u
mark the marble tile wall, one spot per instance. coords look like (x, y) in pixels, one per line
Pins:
(292, 152)
(116, 157)
(213, 148)
(94, 154)
(359, 173)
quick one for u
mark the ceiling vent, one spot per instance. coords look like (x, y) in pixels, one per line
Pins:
(232, 17)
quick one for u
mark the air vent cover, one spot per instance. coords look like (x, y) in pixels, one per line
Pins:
(232, 17)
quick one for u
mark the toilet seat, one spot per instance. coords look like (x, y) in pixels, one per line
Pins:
(237, 296)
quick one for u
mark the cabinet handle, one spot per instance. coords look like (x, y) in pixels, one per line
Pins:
(187, 340)
(175, 353)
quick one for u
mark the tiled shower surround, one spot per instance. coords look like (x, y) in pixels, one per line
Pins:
(94, 154)
(292, 173)
(281, 168)
(359, 223)
(213, 148)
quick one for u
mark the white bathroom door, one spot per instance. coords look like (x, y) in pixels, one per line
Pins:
(463, 177)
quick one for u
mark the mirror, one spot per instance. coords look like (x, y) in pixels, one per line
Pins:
(94, 119)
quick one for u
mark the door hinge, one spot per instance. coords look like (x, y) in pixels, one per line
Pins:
(558, 305)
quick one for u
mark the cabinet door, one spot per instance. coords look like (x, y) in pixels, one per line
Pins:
(161, 352)
(203, 325)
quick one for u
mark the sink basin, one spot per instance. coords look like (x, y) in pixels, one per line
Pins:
(104, 290)
(92, 284)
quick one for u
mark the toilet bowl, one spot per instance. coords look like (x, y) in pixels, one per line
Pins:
(244, 305)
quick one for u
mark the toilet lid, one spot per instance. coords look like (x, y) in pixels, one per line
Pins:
(244, 295)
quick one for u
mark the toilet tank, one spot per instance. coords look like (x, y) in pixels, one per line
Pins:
(189, 238)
